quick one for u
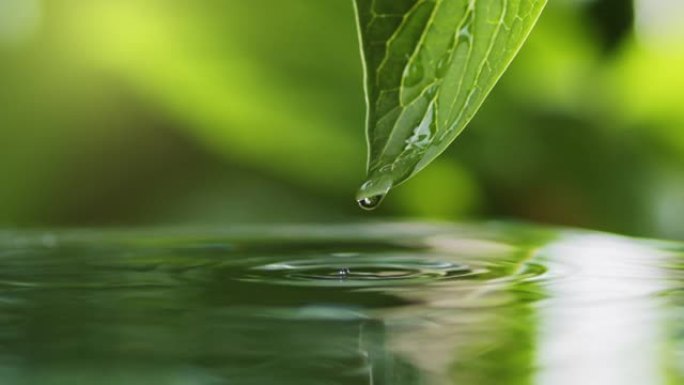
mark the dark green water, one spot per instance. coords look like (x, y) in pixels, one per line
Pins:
(399, 304)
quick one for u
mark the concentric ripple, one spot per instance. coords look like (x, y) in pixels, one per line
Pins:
(335, 304)
(356, 272)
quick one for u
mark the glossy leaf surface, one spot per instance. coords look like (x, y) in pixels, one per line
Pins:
(429, 65)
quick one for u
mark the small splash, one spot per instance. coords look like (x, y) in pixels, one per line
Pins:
(366, 272)
(373, 192)
(336, 304)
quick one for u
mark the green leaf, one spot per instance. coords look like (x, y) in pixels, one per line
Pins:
(429, 66)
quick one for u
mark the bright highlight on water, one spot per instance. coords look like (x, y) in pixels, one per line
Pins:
(380, 304)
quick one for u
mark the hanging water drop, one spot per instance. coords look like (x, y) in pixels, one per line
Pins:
(372, 192)
(371, 203)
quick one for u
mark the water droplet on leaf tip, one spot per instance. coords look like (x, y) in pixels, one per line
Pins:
(371, 193)
(371, 203)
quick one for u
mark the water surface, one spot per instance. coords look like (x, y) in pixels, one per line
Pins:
(392, 303)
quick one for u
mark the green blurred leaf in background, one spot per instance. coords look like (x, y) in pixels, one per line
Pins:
(219, 112)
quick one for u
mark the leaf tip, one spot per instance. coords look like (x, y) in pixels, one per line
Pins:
(374, 190)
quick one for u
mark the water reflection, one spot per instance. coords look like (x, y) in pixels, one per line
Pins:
(603, 324)
(420, 304)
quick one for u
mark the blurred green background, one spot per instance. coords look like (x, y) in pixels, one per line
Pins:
(144, 112)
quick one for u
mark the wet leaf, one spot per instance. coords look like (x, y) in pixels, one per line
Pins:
(430, 64)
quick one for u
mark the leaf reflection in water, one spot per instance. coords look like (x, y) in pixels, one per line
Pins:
(420, 304)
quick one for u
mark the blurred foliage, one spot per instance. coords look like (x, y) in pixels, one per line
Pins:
(179, 111)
